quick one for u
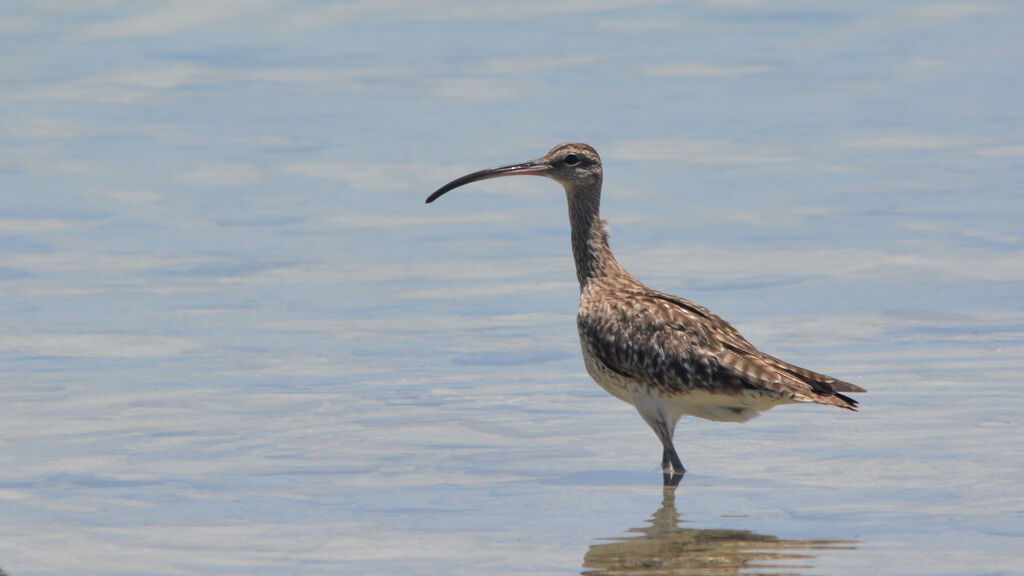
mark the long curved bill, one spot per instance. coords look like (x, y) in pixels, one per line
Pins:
(535, 167)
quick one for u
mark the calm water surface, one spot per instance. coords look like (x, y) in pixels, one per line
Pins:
(235, 341)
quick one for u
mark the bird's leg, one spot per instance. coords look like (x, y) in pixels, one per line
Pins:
(671, 467)
(669, 476)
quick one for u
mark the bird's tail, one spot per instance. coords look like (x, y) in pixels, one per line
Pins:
(826, 389)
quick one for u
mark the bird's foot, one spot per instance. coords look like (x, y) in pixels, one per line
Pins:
(672, 478)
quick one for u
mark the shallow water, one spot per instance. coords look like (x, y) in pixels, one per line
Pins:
(235, 340)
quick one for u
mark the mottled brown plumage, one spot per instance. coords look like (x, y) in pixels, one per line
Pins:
(665, 355)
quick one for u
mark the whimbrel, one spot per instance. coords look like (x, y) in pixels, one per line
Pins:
(667, 356)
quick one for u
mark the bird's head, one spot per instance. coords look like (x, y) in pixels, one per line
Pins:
(574, 165)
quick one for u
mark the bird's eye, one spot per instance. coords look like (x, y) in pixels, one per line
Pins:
(572, 159)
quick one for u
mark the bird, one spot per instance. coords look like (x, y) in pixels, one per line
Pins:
(667, 356)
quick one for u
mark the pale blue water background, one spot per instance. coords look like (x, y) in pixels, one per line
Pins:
(235, 341)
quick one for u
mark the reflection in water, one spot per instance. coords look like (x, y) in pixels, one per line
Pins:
(664, 548)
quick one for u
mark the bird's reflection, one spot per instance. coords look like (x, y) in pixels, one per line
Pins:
(664, 548)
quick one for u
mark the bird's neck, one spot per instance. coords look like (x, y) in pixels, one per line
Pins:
(590, 249)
